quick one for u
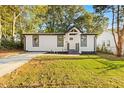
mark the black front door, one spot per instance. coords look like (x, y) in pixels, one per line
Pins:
(77, 47)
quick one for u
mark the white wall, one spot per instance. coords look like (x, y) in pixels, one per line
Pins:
(47, 43)
(105, 37)
(76, 39)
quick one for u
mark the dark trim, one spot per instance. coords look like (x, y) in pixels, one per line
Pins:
(73, 34)
(72, 28)
(33, 41)
(88, 34)
(81, 41)
(95, 43)
(88, 52)
(68, 46)
(62, 41)
(43, 34)
(49, 51)
(77, 47)
(24, 39)
(64, 52)
(52, 34)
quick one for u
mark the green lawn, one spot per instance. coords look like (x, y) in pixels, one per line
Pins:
(68, 71)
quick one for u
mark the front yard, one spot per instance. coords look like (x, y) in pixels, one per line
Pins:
(68, 71)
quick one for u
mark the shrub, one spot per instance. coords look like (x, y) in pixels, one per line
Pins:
(9, 44)
(104, 49)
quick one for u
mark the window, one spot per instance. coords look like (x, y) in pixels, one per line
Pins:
(73, 30)
(72, 34)
(35, 40)
(108, 43)
(83, 40)
(71, 38)
(60, 41)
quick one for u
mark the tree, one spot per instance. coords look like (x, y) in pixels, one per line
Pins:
(16, 12)
(0, 26)
(59, 18)
(13, 22)
(118, 16)
(92, 22)
(3, 22)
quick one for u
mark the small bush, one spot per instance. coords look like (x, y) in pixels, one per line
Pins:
(8, 44)
(104, 50)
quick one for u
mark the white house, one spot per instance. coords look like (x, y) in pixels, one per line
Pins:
(106, 40)
(73, 41)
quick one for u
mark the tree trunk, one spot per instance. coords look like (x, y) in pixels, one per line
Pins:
(13, 26)
(113, 16)
(0, 30)
(21, 32)
(119, 49)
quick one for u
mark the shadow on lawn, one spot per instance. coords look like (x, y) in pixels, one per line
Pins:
(110, 62)
(110, 57)
(109, 66)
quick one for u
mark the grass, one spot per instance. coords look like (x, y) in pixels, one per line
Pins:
(6, 53)
(68, 71)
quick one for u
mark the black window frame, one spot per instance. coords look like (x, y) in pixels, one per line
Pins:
(61, 42)
(83, 42)
(34, 41)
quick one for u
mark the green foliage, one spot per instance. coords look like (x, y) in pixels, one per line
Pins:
(9, 44)
(117, 22)
(14, 20)
(113, 9)
(92, 23)
(59, 18)
(104, 49)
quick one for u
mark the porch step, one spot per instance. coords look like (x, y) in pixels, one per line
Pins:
(88, 52)
(73, 52)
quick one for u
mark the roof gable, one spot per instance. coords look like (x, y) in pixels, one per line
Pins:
(74, 28)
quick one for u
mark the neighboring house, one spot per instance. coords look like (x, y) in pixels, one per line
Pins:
(72, 41)
(105, 42)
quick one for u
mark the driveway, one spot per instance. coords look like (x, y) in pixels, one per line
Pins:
(11, 63)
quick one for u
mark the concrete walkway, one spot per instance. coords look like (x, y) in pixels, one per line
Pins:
(9, 64)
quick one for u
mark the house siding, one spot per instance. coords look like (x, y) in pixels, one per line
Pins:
(90, 44)
(72, 39)
(49, 43)
(104, 38)
(46, 43)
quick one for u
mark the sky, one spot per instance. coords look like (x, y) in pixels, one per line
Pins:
(90, 9)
